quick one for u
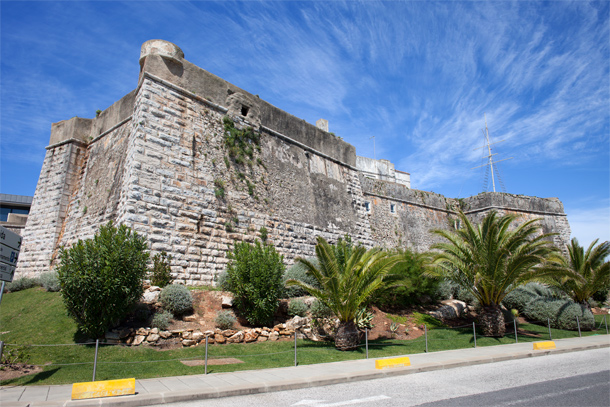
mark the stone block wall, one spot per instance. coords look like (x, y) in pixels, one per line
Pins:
(416, 213)
(60, 172)
(158, 162)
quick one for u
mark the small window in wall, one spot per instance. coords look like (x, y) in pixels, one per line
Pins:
(393, 208)
(244, 110)
(367, 206)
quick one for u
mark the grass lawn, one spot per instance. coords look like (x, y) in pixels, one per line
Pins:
(36, 317)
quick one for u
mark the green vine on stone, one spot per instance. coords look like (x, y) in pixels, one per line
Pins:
(240, 143)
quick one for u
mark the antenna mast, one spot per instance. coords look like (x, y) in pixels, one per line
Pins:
(490, 162)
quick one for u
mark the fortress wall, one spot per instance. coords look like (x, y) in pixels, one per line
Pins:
(419, 212)
(220, 92)
(549, 210)
(96, 194)
(156, 161)
(176, 153)
(59, 174)
(416, 213)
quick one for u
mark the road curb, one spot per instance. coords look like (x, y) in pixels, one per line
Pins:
(221, 391)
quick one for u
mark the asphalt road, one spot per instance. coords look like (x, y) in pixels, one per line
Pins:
(570, 379)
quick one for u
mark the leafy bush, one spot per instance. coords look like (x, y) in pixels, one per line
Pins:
(319, 310)
(101, 278)
(50, 282)
(141, 312)
(297, 307)
(255, 278)
(225, 320)
(298, 272)
(21, 284)
(162, 320)
(411, 285)
(161, 274)
(177, 299)
(561, 313)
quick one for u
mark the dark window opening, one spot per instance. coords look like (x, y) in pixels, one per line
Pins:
(244, 110)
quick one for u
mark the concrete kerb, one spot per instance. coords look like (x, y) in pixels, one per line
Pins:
(272, 380)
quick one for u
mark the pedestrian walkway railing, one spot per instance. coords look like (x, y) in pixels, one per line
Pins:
(433, 339)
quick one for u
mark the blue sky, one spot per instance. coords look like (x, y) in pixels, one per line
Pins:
(419, 76)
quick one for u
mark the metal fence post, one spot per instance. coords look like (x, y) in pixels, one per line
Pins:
(516, 335)
(426, 335)
(578, 323)
(206, 354)
(97, 343)
(366, 341)
(548, 320)
(1, 350)
(606, 322)
(295, 348)
(474, 332)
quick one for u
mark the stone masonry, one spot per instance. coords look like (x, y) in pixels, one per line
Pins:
(158, 162)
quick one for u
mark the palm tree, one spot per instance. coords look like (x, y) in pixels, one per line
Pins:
(588, 272)
(490, 260)
(348, 275)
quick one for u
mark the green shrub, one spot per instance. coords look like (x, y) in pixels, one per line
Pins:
(50, 282)
(21, 284)
(101, 278)
(319, 310)
(297, 307)
(161, 320)
(161, 274)
(411, 285)
(298, 272)
(561, 313)
(141, 312)
(177, 299)
(225, 320)
(255, 278)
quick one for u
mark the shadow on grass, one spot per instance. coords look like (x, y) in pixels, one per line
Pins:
(34, 379)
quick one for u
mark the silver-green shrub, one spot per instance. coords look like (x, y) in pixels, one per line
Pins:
(521, 296)
(297, 307)
(561, 313)
(21, 284)
(162, 320)
(50, 281)
(298, 272)
(225, 320)
(320, 310)
(177, 299)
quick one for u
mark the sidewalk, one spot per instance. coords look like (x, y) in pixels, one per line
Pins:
(197, 387)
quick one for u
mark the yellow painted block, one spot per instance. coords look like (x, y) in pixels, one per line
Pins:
(394, 362)
(544, 345)
(108, 388)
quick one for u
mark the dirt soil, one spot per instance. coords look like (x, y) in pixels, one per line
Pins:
(18, 370)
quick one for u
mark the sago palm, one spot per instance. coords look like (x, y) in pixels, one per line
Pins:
(490, 260)
(587, 272)
(348, 276)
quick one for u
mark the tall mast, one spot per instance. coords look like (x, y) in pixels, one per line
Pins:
(490, 162)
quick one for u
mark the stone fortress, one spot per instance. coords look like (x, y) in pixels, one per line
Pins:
(157, 160)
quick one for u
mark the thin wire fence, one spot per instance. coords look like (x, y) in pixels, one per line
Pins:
(421, 344)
